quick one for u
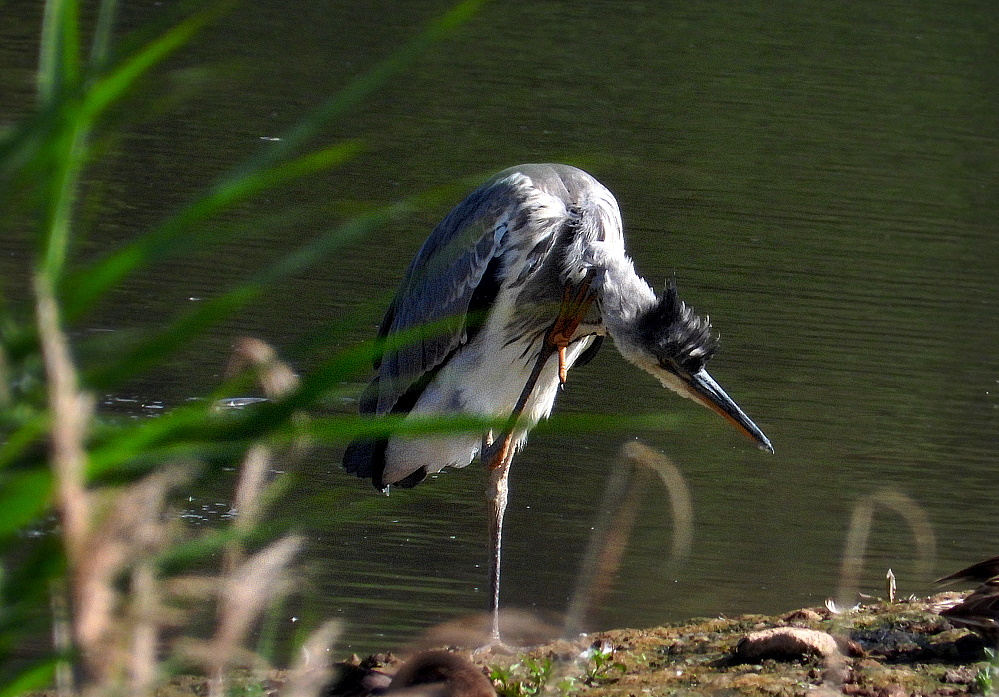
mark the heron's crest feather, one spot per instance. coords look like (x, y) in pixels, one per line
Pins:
(677, 332)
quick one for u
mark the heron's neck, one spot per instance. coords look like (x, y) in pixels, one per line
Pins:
(624, 297)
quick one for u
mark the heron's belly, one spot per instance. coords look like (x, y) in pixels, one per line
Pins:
(478, 383)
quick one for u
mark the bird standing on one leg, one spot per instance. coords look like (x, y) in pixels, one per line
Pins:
(521, 281)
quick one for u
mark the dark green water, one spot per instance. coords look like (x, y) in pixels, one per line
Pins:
(822, 178)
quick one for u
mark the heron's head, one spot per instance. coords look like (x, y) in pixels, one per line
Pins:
(678, 339)
(673, 343)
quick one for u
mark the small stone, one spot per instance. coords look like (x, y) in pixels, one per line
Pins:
(805, 615)
(787, 643)
(965, 675)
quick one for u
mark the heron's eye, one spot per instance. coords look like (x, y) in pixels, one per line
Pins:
(670, 363)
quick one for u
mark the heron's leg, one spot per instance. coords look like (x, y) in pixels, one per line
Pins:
(500, 450)
(499, 454)
(576, 301)
(496, 497)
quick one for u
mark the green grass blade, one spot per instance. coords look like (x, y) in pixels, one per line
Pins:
(36, 678)
(22, 438)
(59, 60)
(365, 84)
(24, 496)
(130, 361)
(78, 111)
(100, 45)
(160, 345)
(182, 432)
(58, 79)
(20, 146)
(69, 155)
(109, 88)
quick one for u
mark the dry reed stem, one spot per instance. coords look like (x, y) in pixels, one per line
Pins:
(597, 562)
(253, 476)
(626, 483)
(98, 546)
(276, 377)
(142, 658)
(108, 533)
(312, 671)
(245, 594)
(69, 414)
(62, 639)
(122, 636)
(681, 503)
(249, 585)
(246, 501)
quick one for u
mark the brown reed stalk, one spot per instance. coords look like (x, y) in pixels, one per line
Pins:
(313, 669)
(111, 534)
(69, 412)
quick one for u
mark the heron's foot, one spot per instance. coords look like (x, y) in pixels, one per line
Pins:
(562, 369)
(496, 647)
(576, 303)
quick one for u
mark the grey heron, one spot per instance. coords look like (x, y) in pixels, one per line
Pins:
(521, 281)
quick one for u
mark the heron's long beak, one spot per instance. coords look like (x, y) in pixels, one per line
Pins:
(702, 388)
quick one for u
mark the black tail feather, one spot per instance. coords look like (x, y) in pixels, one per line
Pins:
(365, 457)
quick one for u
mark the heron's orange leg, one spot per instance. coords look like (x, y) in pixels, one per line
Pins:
(498, 454)
(499, 451)
(575, 304)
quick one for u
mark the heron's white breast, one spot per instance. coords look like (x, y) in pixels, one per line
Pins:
(486, 377)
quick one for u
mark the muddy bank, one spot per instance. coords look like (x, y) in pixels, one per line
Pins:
(879, 649)
(876, 650)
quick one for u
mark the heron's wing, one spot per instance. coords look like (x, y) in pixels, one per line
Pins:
(448, 287)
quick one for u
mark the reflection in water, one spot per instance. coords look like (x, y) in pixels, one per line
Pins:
(628, 479)
(859, 532)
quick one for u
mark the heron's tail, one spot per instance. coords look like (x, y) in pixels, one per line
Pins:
(365, 457)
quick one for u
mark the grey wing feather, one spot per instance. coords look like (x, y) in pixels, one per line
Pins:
(433, 300)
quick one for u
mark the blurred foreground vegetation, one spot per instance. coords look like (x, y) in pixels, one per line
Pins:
(96, 568)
